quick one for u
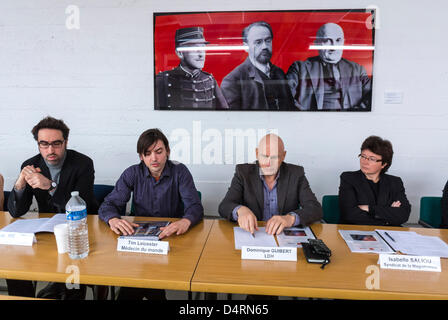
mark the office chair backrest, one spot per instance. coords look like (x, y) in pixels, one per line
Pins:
(430, 212)
(101, 191)
(330, 207)
(5, 204)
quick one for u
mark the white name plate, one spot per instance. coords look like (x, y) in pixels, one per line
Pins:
(143, 246)
(415, 263)
(17, 238)
(269, 253)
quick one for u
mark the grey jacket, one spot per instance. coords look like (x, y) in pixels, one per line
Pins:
(293, 193)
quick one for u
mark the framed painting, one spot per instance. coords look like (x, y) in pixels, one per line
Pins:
(301, 60)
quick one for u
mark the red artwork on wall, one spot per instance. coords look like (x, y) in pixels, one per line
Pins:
(238, 81)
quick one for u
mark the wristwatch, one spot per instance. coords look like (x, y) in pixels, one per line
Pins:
(53, 186)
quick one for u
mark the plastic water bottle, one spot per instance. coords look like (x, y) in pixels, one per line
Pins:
(78, 236)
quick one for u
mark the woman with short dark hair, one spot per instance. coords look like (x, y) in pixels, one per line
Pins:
(369, 196)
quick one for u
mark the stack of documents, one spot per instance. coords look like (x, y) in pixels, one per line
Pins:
(365, 241)
(35, 225)
(390, 241)
(293, 237)
(409, 242)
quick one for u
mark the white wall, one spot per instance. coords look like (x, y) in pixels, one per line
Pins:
(99, 79)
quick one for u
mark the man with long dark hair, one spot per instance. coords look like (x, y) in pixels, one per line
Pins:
(161, 188)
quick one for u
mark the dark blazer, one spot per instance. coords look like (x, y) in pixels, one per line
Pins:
(307, 86)
(77, 174)
(355, 190)
(293, 191)
(243, 88)
(445, 207)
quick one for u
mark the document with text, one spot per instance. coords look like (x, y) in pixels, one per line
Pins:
(412, 243)
(293, 237)
(365, 241)
(35, 225)
(245, 238)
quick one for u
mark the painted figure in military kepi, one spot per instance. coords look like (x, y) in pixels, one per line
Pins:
(187, 87)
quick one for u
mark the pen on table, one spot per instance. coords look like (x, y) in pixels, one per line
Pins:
(253, 234)
(389, 236)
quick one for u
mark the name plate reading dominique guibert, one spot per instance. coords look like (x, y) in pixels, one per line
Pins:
(143, 246)
(269, 253)
(17, 238)
(414, 263)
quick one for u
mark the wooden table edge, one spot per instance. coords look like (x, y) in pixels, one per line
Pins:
(309, 292)
(202, 251)
(184, 285)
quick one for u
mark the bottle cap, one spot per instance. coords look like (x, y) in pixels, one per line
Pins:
(75, 193)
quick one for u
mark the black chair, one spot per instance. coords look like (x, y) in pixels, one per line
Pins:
(5, 205)
(100, 191)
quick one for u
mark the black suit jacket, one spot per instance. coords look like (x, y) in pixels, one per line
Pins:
(306, 79)
(355, 190)
(243, 88)
(77, 174)
(445, 207)
(293, 191)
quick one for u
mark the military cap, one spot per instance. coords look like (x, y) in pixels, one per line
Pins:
(189, 36)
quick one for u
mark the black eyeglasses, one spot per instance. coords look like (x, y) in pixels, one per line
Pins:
(371, 159)
(55, 144)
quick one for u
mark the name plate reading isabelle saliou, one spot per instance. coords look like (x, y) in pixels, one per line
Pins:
(414, 263)
(269, 253)
(17, 238)
(143, 246)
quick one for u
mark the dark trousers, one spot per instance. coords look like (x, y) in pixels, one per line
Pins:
(21, 288)
(58, 290)
(127, 293)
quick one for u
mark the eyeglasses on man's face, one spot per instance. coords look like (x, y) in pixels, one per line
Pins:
(55, 144)
(370, 159)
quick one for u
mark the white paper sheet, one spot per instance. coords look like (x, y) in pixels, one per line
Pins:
(412, 243)
(293, 237)
(35, 225)
(365, 241)
(244, 238)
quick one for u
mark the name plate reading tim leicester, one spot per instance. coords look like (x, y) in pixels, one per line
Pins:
(143, 246)
(269, 253)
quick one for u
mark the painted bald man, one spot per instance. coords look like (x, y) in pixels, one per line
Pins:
(270, 190)
(328, 81)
